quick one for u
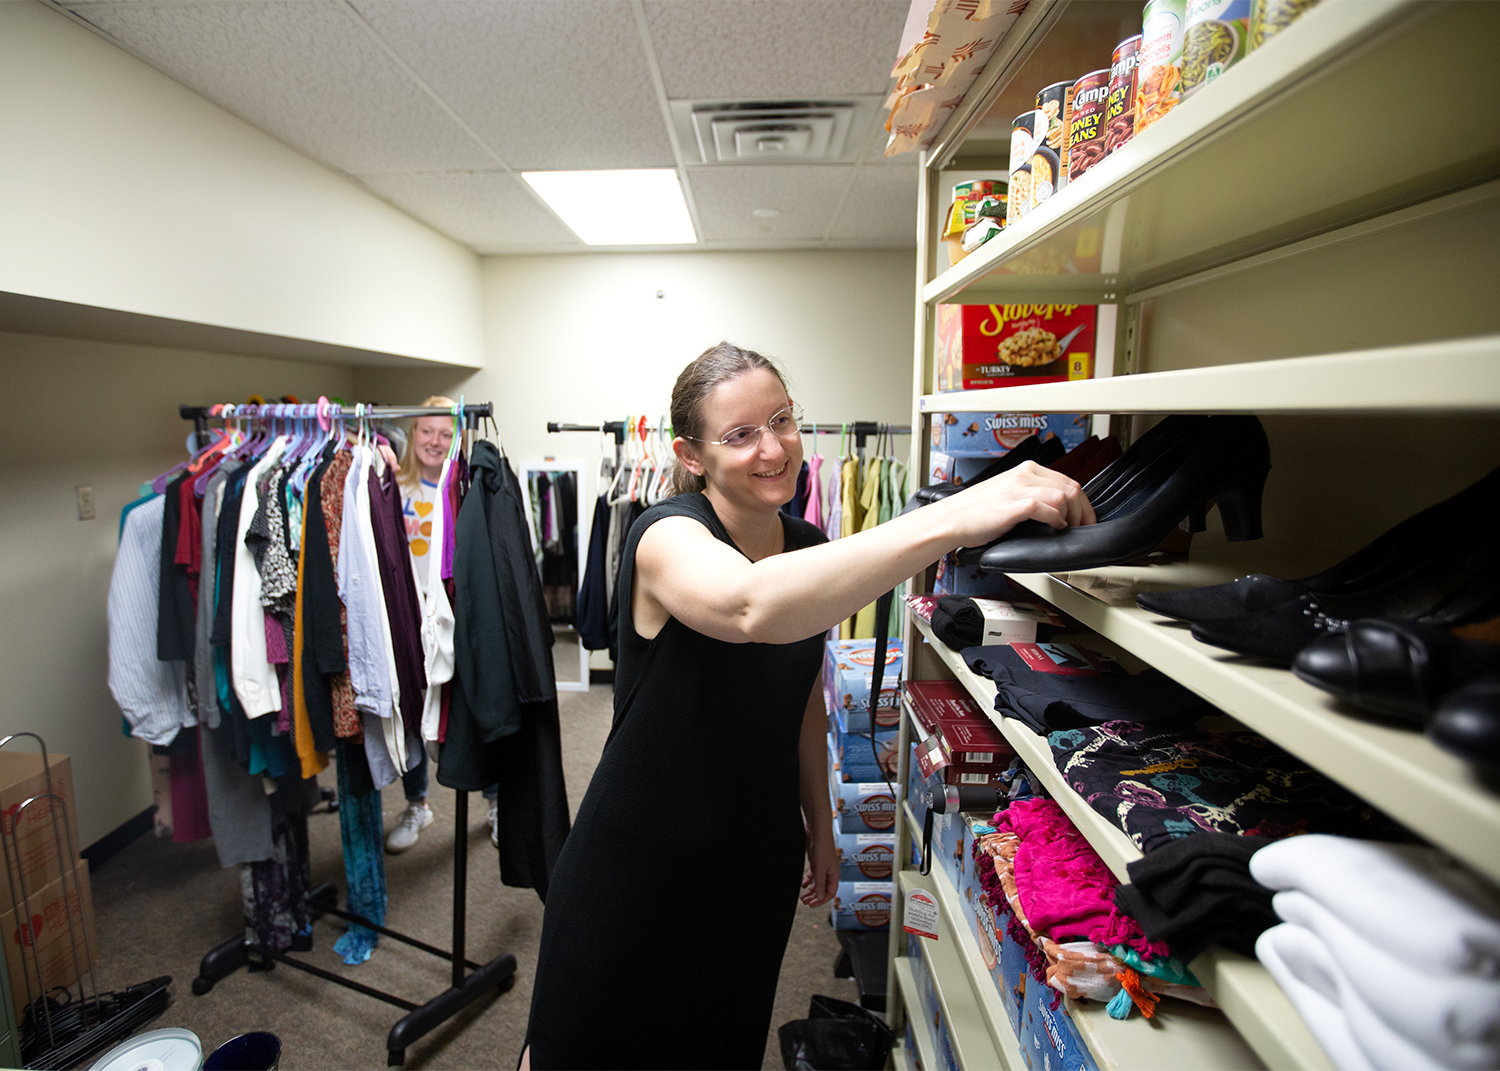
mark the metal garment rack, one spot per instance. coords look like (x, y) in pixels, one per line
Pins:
(860, 429)
(241, 951)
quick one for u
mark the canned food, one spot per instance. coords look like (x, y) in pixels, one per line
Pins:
(1269, 17)
(1158, 78)
(1086, 132)
(1119, 108)
(1056, 103)
(1027, 130)
(1213, 40)
(1046, 172)
(970, 193)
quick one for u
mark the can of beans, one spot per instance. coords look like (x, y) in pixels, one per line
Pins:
(1119, 108)
(1269, 17)
(1056, 103)
(1213, 40)
(1026, 131)
(1086, 144)
(1158, 78)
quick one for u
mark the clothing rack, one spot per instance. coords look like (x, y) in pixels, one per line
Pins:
(860, 429)
(242, 951)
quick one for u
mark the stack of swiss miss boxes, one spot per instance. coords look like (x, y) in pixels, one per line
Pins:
(859, 787)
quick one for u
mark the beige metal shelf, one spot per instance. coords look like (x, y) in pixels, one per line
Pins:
(1306, 134)
(899, 1059)
(1457, 376)
(1436, 795)
(969, 1028)
(1249, 997)
(911, 996)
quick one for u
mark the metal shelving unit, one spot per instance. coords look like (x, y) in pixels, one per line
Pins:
(1277, 245)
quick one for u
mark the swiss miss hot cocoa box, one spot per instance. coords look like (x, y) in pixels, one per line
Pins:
(983, 346)
(848, 672)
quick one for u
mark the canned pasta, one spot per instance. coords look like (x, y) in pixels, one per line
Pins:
(1056, 103)
(1270, 17)
(1158, 77)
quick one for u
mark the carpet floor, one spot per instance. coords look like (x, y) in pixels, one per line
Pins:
(159, 906)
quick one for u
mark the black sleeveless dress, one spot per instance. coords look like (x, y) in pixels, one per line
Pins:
(673, 897)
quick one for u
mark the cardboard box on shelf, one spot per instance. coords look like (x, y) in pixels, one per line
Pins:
(975, 751)
(39, 841)
(866, 807)
(951, 578)
(848, 672)
(865, 856)
(855, 759)
(43, 943)
(1049, 1040)
(984, 346)
(992, 435)
(862, 905)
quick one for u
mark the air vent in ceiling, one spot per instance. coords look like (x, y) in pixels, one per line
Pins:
(786, 132)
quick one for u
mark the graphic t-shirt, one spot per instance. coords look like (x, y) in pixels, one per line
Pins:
(416, 508)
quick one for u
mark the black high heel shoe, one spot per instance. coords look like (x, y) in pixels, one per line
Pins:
(1031, 448)
(1221, 458)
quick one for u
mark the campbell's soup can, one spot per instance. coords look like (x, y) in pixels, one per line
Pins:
(1086, 146)
(1158, 77)
(1119, 109)
(1214, 39)
(1026, 131)
(1046, 173)
(1056, 103)
(1269, 17)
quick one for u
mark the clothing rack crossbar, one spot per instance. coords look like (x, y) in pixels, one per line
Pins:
(860, 429)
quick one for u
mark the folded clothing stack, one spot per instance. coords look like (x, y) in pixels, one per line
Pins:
(1054, 892)
(1197, 890)
(1161, 784)
(1390, 952)
(1090, 693)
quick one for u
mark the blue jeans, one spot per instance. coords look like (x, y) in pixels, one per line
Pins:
(415, 780)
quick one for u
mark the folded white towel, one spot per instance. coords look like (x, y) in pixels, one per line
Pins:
(1414, 902)
(1453, 1017)
(1320, 1012)
(1301, 957)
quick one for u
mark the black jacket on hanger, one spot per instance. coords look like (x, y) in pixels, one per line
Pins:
(499, 732)
(593, 598)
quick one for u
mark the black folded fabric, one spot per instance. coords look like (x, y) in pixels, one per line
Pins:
(957, 621)
(1049, 702)
(1197, 890)
(1159, 785)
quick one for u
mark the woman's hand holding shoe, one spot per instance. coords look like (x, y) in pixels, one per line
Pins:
(1027, 492)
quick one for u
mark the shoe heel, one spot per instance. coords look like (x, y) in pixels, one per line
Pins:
(1239, 509)
(1197, 518)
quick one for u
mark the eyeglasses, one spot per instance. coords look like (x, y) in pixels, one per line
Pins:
(784, 424)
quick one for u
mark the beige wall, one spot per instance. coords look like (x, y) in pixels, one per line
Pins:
(584, 339)
(121, 189)
(105, 415)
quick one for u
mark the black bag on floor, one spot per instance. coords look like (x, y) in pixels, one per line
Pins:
(836, 1036)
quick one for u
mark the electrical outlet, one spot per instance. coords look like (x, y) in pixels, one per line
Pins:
(85, 501)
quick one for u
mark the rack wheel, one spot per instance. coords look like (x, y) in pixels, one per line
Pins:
(202, 985)
(506, 985)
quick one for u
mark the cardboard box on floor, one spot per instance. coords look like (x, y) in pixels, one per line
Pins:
(36, 836)
(43, 942)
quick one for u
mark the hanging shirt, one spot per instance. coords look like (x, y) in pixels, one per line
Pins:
(251, 673)
(359, 589)
(437, 616)
(813, 513)
(152, 694)
(421, 511)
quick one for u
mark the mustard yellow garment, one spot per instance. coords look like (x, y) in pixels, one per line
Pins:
(313, 761)
(870, 507)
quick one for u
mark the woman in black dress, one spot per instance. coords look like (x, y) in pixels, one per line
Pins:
(671, 903)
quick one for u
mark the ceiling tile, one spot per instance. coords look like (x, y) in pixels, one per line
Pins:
(777, 49)
(882, 207)
(548, 84)
(303, 71)
(485, 209)
(806, 197)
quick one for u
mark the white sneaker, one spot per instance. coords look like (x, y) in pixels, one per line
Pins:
(495, 823)
(417, 817)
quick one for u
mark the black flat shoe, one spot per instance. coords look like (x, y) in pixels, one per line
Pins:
(1467, 723)
(1401, 551)
(1400, 669)
(1223, 458)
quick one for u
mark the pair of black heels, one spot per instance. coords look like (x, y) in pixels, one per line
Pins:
(1172, 473)
(1440, 567)
(1417, 674)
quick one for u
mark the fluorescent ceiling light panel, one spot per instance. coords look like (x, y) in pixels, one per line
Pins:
(637, 207)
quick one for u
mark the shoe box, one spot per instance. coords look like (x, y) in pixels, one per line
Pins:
(1012, 345)
(848, 672)
(863, 905)
(963, 437)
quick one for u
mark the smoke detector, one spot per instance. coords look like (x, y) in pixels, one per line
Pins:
(768, 132)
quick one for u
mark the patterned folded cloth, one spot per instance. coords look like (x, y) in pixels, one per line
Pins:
(1161, 784)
